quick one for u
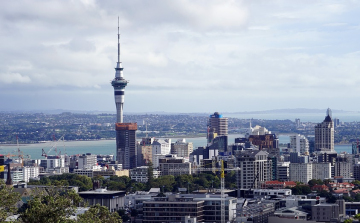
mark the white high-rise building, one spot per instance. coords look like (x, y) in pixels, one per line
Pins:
(299, 143)
(321, 171)
(30, 172)
(253, 163)
(324, 134)
(161, 146)
(301, 172)
(87, 161)
(50, 163)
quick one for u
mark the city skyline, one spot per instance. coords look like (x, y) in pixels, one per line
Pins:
(180, 56)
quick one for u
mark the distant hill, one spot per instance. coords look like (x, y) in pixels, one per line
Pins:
(274, 111)
(287, 111)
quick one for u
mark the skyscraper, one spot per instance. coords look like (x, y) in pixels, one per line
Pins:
(299, 143)
(125, 132)
(255, 167)
(217, 126)
(324, 134)
(126, 153)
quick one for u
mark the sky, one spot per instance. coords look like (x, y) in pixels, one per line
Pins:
(180, 55)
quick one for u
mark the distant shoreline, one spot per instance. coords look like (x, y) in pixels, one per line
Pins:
(90, 140)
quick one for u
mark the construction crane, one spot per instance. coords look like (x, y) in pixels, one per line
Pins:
(53, 147)
(9, 155)
(222, 182)
(20, 153)
(222, 177)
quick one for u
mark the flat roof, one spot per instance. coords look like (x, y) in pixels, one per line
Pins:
(102, 192)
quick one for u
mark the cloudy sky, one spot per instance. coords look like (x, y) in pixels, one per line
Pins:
(181, 55)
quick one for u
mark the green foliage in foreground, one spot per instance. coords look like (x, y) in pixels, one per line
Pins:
(99, 214)
(53, 204)
(8, 199)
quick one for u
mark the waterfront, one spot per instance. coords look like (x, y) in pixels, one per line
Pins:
(108, 146)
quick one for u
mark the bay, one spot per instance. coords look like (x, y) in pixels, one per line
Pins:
(109, 146)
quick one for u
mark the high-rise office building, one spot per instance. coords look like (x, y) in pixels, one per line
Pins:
(301, 172)
(324, 134)
(253, 164)
(144, 151)
(182, 148)
(299, 143)
(125, 132)
(87, 161)
(126, 145)
(217, 126)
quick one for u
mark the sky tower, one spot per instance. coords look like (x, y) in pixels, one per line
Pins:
(119, 84)
(126, 153)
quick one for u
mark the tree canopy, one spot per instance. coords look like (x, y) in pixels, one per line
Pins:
(8, 199)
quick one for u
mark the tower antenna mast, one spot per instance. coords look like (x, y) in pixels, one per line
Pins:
(118, 40)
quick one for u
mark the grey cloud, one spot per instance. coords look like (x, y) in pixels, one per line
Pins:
(197, 52)
(80, 44)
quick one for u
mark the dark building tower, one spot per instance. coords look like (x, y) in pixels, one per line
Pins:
(324, 134)
(126, 144)
(125, 132)
(217, 126)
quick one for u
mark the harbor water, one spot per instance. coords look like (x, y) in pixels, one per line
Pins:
(109, 146)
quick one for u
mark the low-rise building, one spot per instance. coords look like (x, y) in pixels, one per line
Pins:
(172, 209)
(140, 174)
(113, 200)
(173, 165)
(320, 188)
(212, 207)
(325, 212)
(290, 213)
(274, 184)
(257, 212)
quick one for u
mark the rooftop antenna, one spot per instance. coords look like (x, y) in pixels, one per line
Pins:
(118, 40)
